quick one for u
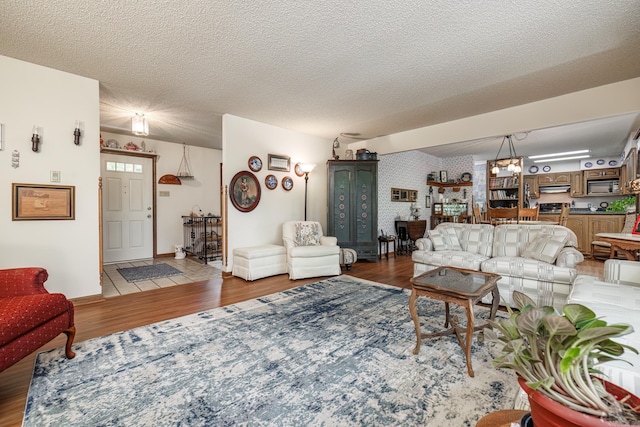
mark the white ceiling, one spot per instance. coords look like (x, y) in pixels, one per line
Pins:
(323, 67)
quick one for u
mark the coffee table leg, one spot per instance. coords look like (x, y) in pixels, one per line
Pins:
(495, 294)
(446, 314)
(470, 328)
(413, 299)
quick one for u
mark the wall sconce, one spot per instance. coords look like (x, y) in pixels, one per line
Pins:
(77, 133)
(35, 139)
(139, 125)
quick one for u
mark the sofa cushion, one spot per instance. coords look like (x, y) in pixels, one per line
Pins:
(512, 239)
(307, 234)
(313, 251)
(445, 240)
(474, 238)
(544, 247)
(518, 267)
(19, 315)
(460, 259)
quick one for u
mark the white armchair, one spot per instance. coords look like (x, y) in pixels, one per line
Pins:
(309, 253)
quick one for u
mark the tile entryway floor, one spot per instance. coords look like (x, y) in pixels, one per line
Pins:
(113, 284)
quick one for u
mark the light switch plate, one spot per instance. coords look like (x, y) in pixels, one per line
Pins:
(165, 194)
(54, 176)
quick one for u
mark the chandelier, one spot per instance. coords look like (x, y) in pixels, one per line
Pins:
(512, 163)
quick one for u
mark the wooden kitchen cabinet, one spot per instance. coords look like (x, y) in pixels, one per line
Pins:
(628, 171)
(602, 174)
(579, 224)
(587, 226)
(577, 184)
(560, 178)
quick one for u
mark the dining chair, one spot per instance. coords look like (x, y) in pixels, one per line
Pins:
(529, 214)
(477, 214)
(564, 214)
(503, 215)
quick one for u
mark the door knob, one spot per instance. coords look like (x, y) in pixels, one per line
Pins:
(149, 216)
(149, 208)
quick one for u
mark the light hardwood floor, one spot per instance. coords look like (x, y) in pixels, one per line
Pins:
(133, 310)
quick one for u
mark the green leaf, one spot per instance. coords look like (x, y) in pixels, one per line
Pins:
(521, 301)
(577, 313)
(559, 325)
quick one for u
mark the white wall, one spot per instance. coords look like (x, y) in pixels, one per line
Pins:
(243, 138)
(53, 100)
(200, 193)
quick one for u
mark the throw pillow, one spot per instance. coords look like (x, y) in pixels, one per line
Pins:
(445, 239)
(307, 234)
(545, 247)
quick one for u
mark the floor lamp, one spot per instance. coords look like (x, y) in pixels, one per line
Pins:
(306, 168)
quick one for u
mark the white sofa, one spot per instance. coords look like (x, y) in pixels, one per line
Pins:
(617, 300)
(538, 260)
(309, 253)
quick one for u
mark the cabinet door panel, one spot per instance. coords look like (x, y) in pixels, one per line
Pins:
(366, 206)
(342, 214)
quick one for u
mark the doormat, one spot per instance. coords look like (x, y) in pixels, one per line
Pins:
(148, 272)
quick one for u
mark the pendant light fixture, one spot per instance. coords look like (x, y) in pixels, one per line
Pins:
(512, 163)
(139, 125)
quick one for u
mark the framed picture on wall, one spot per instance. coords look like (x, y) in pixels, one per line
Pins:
(43, 202)
(443, 176)
(279, 163)
(244, 191)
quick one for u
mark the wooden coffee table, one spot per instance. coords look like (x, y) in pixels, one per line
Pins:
(454, 285)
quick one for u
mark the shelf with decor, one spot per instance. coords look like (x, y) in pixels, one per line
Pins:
(504, 186)
(450, 184)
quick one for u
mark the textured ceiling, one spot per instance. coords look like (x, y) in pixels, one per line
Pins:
(322, 67)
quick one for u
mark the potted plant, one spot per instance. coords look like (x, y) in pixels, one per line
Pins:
(622, 205)
(554, 356)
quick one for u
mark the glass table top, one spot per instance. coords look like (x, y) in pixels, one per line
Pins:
(456, 281)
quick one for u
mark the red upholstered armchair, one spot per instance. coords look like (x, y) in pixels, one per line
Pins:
(30, 316)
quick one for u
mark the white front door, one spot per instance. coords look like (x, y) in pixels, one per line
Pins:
(127, 203)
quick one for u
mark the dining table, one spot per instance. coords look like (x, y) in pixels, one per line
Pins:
(627, 244)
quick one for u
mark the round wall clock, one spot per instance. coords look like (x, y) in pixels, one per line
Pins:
(255, 164)
(271, 182)
(287, 183)
(298, 169)
(465, 177)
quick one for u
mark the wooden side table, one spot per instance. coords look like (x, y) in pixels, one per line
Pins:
(383, 241)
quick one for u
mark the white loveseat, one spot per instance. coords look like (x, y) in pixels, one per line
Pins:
(538, 260)
(309, 253)
(617, 300)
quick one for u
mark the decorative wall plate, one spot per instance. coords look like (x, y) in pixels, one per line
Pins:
(271, 182)
(533, 169)
(287, 183)
(604, 205)
(244, 191)
(255, 164)
(588, 164)
(546, 168)
(613, 162)
(600, 162)
(465, 177)
(298, 170)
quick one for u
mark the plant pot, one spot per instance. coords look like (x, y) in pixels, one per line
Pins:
(547, 412)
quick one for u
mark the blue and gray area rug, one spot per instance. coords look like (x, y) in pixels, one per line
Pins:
(332, 353)
(148, 272)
